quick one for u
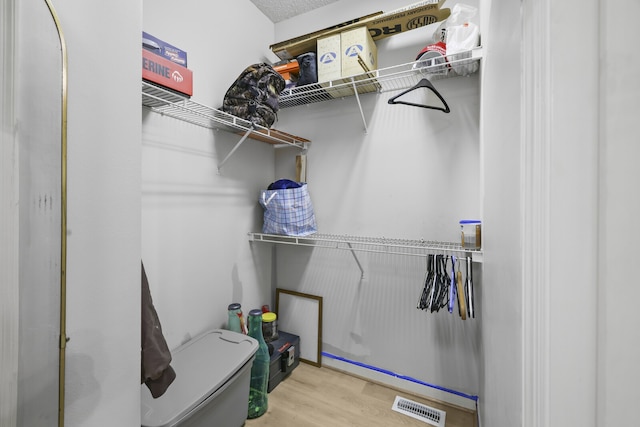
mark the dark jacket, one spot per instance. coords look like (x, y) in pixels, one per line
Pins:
(156, 371)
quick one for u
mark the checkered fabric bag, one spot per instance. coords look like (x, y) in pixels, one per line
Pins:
(288, 211)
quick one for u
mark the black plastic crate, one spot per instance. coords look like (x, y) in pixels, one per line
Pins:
(284, 359)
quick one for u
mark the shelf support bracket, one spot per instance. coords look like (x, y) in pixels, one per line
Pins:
(355, 91)
(233, 150)
(357, 260)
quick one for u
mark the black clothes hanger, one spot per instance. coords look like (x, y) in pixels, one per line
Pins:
(470, 292)
(442, 290)
(453, 296)
(442, 297)
(424, 83)
(423, 303)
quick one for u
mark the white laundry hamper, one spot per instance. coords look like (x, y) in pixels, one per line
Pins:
(213, 371)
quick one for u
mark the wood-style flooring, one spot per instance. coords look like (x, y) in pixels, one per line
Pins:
(325, 397)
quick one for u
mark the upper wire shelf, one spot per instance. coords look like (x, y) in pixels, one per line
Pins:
(371, 244)
(178, 106)
(382, 80)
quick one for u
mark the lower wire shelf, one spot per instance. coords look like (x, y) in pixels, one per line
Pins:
(421, 247)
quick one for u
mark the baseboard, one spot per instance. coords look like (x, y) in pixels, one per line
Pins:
(400, 384)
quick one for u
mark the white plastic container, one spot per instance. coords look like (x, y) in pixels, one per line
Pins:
(471, 233)
(211, 386)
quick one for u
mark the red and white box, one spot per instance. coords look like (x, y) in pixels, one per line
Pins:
(164, 72)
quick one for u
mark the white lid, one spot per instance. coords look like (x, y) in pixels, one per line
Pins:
(202, 366)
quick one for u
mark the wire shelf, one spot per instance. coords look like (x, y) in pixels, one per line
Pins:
(371, 244)
(383, 80)
(180, 107)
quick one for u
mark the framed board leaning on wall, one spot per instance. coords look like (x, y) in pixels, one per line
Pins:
(301, 314)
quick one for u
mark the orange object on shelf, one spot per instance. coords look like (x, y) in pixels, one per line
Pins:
(285, 70)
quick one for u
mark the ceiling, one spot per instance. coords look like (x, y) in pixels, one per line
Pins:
(279, 10)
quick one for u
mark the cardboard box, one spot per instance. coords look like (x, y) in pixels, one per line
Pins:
(349, 51)
(163, 72)
(330, 66)
(380, 26)
(164, 49)
(310, 38)
(329, 54)
(354, 44)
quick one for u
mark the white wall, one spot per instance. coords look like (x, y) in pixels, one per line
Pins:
(414, 175)
(195, 218)
(9, 223)
(576, 137)
(496, 361)
(39, 140)
(104, 211)
(501, 355)
(573, 139)
(619, 207)
(552, 173)
(103, 265)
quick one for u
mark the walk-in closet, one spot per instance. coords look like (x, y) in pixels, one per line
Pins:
(532, 139)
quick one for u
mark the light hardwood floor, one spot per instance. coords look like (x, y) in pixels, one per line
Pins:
(324, 397)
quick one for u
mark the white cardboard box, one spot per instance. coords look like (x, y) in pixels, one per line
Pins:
(329, 58)
(354, 43)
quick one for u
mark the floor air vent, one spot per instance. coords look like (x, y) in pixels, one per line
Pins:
(419, 411)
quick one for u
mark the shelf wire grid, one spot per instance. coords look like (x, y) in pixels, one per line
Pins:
(384, 245)
(181, 107)
(382, 80)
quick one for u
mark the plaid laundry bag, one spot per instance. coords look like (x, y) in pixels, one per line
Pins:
(288, 210)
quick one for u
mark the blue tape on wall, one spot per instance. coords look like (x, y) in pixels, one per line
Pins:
(402, 377)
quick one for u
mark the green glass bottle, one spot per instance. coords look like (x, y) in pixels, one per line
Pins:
(235, 322)
(258, 401)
